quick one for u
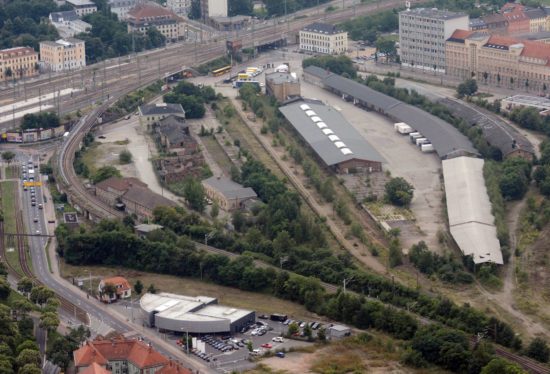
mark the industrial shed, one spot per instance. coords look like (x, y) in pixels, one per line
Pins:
(335, 141)
(470, 219)
(496, 131)
(448, 142)
(198, 315)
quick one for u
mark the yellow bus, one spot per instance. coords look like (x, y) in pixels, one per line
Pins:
(221, 71)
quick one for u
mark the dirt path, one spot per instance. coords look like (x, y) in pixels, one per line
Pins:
(505, 298)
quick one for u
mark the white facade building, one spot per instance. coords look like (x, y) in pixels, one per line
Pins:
(180, 7)
(122, 7)
(422, 36)
(214, 8)
(82, 7)
(323, 38)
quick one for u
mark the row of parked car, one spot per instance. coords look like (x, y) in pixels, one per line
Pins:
(205, 356)
(220, 345)
(302, 324)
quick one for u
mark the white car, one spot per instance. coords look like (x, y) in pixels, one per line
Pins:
(254, 332)
(278, 339)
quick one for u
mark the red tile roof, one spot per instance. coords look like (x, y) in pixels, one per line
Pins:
(95, 368)
(503, 40)
(102, 351)
(142, 11)
(173, 368)
(461, 34)
(118, 281)
(537, 50)
(17, 51)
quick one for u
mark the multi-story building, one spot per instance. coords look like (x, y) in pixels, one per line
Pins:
(518, 22)
(63, 54)
(498, 60)
(282, 85)
(496, 23)
(120, 355)
(122, 7)
(180, 7)
(68, 24)
(422, 36)
(537, 19)
(144, 16)
(82, 7)
(150, 114)
(323, 38)
(214, 8)
(18, 62)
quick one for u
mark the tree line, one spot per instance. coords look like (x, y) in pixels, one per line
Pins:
(192, 98)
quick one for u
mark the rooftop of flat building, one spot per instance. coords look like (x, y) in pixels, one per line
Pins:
(434, 13)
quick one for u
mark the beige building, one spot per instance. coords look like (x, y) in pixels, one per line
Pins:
(144, 16)
(18, 62)
(153, 113)
(180, 7)
(323, 38)
(63, 54)
(498, 60)
(82, 7)
(227, 194)
(282, 85)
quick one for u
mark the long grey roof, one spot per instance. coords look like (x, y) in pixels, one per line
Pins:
(495, 131)
(230, 189)
(280, 77)
(433, 13)
(69, 15)
(446, 139)
(163, 108)
(317, 72)
(330, 151)
(322, 28)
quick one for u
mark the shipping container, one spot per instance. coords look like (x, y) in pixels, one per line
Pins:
(415, 136)
(421, 141)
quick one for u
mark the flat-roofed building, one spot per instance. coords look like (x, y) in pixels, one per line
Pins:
(18, 62)
(197, 315)
(144, 16)
(82, 7)
(323, 38)
(63, 54)
(214, 8)
(122, 7)
(542, 104)
(282, 85)
(422, 36)
(471, 221)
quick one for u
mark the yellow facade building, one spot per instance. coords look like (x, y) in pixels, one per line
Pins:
(63, 54)
(19, 62)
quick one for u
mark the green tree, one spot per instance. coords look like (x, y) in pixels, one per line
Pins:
(105, 172)
(152, 288)
(8, 156)
(293, 328)
(308, 332)
(249, 346)
(28, 356)
(138, 287)
(467, 88)
(25, 285)
(5, 289)
(322, 334)
(399, 191)
(215, 211)
(501, 366)
(125, 157)
(395, 254)
(538, 349)
(49, 321)
(193, 191)
(386, 46)
(30, 369)
(109, 289)
(195, 11)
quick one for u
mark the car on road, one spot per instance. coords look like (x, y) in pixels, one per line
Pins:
(40, 206)
(101, 136)
(263, 316)
(302, 325)
(266, 345)
(278, 339)
(35, 219)
(38, 231)
(281, 354)
(33, 203)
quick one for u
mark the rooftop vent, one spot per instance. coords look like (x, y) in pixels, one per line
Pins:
(340, 145)
(316, 119)
(310, 113)
(328, 131)
(333, 138)
(305, 107)
(321, 125)
(346, 151)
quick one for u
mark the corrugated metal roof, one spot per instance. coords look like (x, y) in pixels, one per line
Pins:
(319, 139)
(469, 210)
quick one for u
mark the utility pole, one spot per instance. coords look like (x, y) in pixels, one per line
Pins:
(103, 84)
(346, 281)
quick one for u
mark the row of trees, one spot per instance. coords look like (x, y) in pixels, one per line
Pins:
(341, 65)
(44, 120)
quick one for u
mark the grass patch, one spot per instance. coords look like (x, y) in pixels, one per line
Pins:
(123, 142)
(262, 303)
(12, 172)
(217, 153)
(47, 249)
(9, 194)
(90, 157)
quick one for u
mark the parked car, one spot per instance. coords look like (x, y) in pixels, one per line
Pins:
(266, 345)
(281, 354)
(278, 339)
(263, 316)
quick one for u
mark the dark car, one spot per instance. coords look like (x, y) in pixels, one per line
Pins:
(263, 316)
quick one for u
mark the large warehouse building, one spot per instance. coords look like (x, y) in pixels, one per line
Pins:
(335, 141)
(470, 218)
(197, 315)
(448, 142)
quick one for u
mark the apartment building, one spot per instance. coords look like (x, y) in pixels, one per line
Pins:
(537, 19)
(422, 36)
(82, 7)
(498, 60)
(122, 7)
(180, 7)
(214, 8)
(144, 16)
(323, 38)
(68, 24)
(63, 54)
(18, 62)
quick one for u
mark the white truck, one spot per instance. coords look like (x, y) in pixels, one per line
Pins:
(415, 135)
(421, 141)
(403, 128)
(427, 148)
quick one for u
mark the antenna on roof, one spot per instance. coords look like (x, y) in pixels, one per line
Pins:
(408, 5)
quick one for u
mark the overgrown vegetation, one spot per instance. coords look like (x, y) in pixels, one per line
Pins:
(130, 102)
(44, 120)
(218, 63)
(341, 65)
(192, 98)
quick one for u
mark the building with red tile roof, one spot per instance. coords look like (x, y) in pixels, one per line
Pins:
(499, 60)
(122, 356)
(123, 289)
(144, 16)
